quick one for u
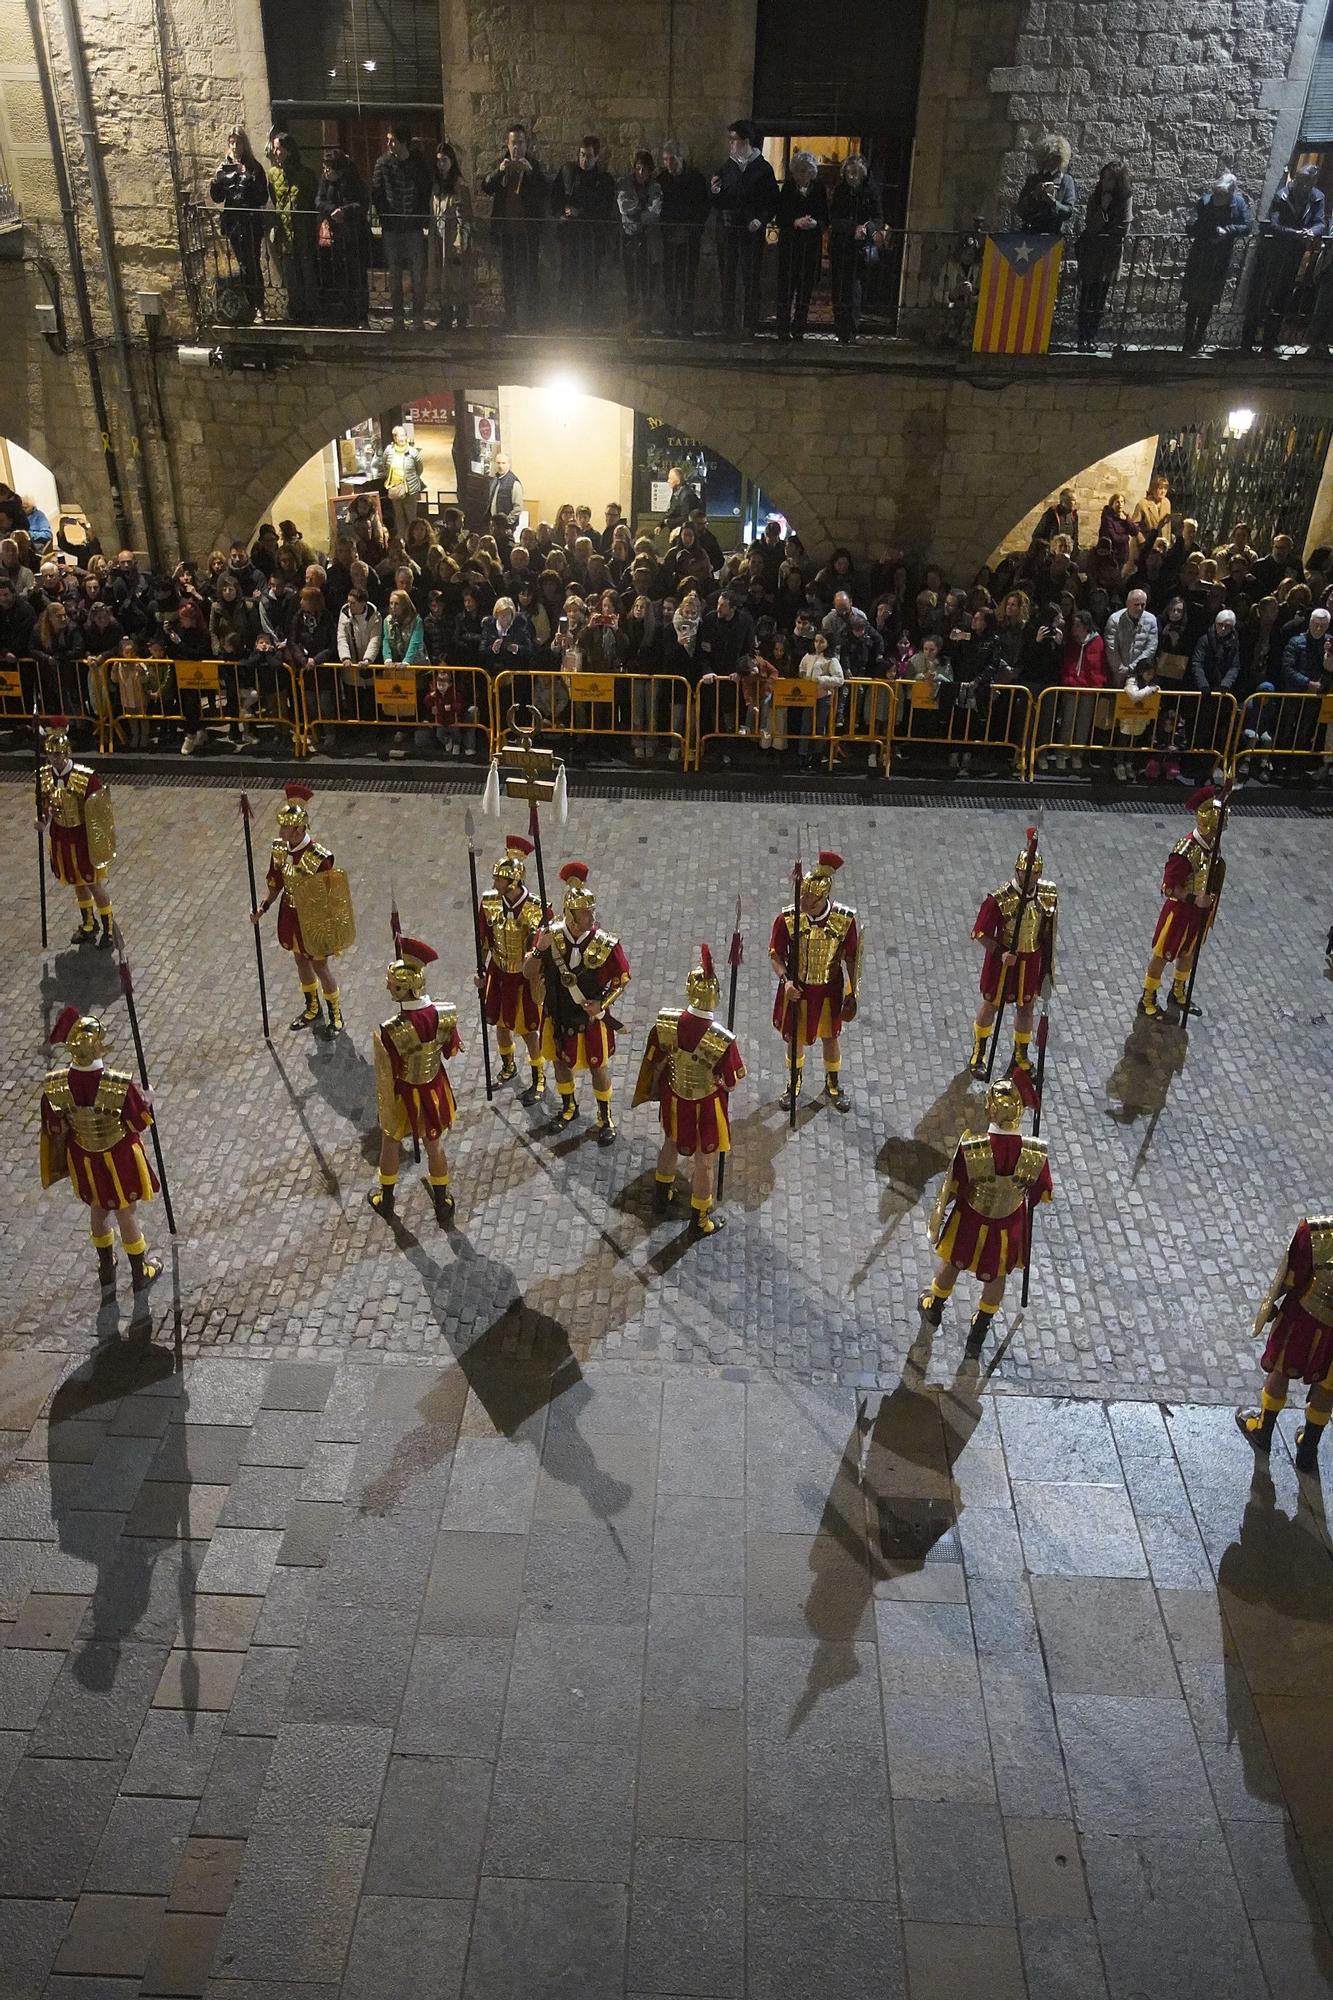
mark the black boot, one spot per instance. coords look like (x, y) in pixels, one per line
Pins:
(143, 1269)
(536, 1090)
(836, 1095)
(87, 930)
(105, 941)
(444, 1204)
(106, 1267)
(333, 1008)
(309, 1013)
(788, 1094)
(508, 1069)
(381, 1199)
(980, 1326)
(569, 1111)
(606, 1126)
(706, 1221)
(1307, 1446)
(931, 1308)
(1256, 1427)
(664, 1196)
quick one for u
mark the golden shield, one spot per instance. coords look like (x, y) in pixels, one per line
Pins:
(100, 827)
(323, 905)
(387, 1107)
(650, 1070)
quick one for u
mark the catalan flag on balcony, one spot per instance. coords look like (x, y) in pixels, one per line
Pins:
(1020, 275)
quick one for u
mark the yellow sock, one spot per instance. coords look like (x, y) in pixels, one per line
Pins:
(137, 1248)
(701, 1203)
(1022, 1041)
(1316, 1417)
(980, 1037)
(988, 1311)
(437, 1180)
(1270, 1402)
(311, 990)
(665, 1180)
(504, 1043)
(388, 1180)
(105, 912)
(939, 1291)
(1151, 982)
(602, 1096)
(566, 1091)
(331, 995)
(102, 1242)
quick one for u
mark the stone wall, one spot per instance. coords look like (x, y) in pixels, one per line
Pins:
(1126, 472)
(1175, 88)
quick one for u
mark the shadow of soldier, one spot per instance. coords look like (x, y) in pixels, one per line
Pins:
(910, 1164)
(1275, 1596)
(1153, 1056)
(888, 1515)
(145, 1567)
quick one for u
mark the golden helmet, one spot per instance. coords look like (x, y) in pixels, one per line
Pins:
(819, 879)
(1004, 1104)
(293, 811)
(578, 892)
(1021, 866)
(407, 974)
(701, 988)
(82, 1034)
(56, 739)
(1207, 810)
(509, 869)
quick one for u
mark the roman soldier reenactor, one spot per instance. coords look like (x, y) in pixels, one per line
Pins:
(315, 921)
(982, 1220)
(76, 806)
(412, 1090)
(1299, 1314)
(690, 1066)
(1189, 907)
(823, 994)
(92, 1121)
(1016, 925)
(578, 971)
(510, 917)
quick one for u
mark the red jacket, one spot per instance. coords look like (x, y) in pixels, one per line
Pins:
(1083, 665)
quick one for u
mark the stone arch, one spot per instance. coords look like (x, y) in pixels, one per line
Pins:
(335, 397)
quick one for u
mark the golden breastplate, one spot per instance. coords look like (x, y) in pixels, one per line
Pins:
(691, 1072)
(95, 1127)
(1317, 1297)
(420, 1061)
(63, 798)
(821, 940)
(1198, 857)
(1036, 915)
(510, 929)
(309, 861)
(996, 1195)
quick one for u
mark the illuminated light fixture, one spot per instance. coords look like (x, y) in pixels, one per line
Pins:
(368, 64)
(563, 386)
(1239, 422)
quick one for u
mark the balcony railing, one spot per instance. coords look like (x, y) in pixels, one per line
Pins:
(919, 287)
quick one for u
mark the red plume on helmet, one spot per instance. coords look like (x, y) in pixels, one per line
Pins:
(64, 1021)
(574, 871)
(828, 859)
(1025, 1087)
(706, 962)
(298, 792)
(518, 843)
(1200, 798)
(413, 952)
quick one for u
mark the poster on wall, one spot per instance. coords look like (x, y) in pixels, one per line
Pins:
(483, 430)
(433, 409)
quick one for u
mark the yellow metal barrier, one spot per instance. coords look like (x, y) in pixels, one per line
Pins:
(1075, 728)
(130, 703)
(953, 725)
(644, 711)
(794, 714)
(422, 707)
(1286, 729)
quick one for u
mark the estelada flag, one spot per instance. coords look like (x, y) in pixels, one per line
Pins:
(1020, 274)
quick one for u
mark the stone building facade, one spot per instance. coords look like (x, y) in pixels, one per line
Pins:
(930, 450)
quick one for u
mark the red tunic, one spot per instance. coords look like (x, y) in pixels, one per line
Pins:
(71, 862)
(1180, 919)
(821, 1005)
(289, 927)
(592, 1045)
(696, 1124)
(114, 1179)
(979, 1243)
(506, 997)
(428, 1108)
(1030, 967)
(1298, 1343)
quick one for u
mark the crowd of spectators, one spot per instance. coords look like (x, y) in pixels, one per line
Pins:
(1145, 603)
(639, 237)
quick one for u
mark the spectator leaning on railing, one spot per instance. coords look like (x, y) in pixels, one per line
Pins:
(1221, 216)
(400, 190)
(294, 188)
(240, 187)
(745, 196)
(517, 187)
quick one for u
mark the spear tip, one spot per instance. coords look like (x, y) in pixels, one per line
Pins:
(469, 826)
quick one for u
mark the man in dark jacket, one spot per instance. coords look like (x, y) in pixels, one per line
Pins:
(517, 187)
(400, 188)
(683, 502)
(1295, 222)
(1221, 216)
(684, 213)
(745, 195)
(583, 200)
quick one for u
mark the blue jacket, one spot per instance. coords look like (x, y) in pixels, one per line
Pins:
(1302, 665)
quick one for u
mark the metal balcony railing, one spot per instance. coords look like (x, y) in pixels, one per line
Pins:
(304, 269)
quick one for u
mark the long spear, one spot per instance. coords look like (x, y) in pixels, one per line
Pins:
(793, 968)
(247, 814)
(1043, 1032)
(127, 988)
(1212, 889)
(37, 795)
(1029, 891)
(470, 828)
(734, 957)
(396, 926)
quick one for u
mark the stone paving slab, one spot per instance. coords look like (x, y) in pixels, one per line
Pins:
(784, 1763)
(1178, 1178)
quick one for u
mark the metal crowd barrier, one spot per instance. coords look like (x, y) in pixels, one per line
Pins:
(1107, 726)
(124, 703)
(424, 707)
(1283, 729)
(947, 725)
(791, 713)
(643, 711)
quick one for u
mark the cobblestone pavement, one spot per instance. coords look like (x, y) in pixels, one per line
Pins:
(1177, 1183)
(485, 1681)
